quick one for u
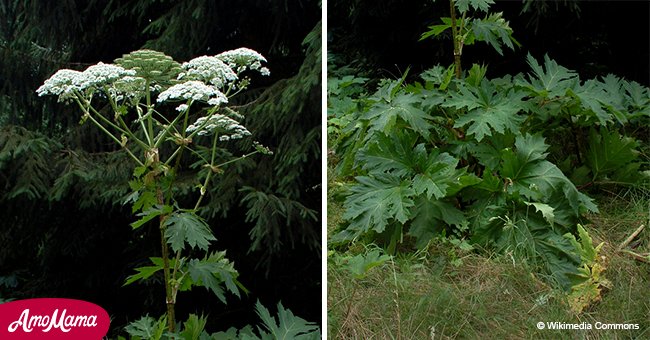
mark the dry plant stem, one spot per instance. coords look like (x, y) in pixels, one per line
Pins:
(631, 237)
(347, 312)
(639, 257)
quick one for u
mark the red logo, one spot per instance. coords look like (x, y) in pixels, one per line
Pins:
(52, 318)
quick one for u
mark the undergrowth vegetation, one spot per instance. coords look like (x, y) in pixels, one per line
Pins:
(478, 190)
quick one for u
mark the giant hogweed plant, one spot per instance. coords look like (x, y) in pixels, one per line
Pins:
(169, 117)
(486, 159)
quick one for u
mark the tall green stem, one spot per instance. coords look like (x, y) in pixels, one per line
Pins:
(456, 38)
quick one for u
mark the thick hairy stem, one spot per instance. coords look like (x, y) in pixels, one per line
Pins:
(169, 294)
(455, 37)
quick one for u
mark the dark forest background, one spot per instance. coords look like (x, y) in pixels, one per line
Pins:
(64, 231)
(592, 37)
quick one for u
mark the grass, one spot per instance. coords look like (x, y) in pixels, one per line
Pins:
(441, 294)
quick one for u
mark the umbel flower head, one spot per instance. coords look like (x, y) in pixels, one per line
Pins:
(208, 69)
(228, 127)
(223, 68)
(203, 77)
(243, 58)
(194, 90)
(102, 74)
(62, 84)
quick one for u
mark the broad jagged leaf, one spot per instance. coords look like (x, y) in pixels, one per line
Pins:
(483, 5)
(212, 271)
(609, 153)
(591, 96)
(287, 326)
(145, 272)
(187, 227)
(494, 30)
(430, 217)
(435, 30)
(147, 328)
(395, 153)
(489, 109)
(151, 213)
(375, 201)
(437, 176)
(359, 265)
(638, 99)
(529, 174)
(547, 211)
(549, 81)
(430, 173)
(194, 327)
(528, 237)
(384, 114)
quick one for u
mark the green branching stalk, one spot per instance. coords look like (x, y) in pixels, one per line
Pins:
(108, 133)
(456, 37)
(180, 229)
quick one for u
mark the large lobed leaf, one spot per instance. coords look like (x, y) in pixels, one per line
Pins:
(383, 116)
(376, 201)
(549, 81)
(495, 31)
(612, 155)
(187, 227)
(211, 272)
(528, 173)
(482, 5)
(488, 109)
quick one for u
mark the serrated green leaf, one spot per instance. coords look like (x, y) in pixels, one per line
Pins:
(609, 152)
(383, 115)
(482, 5)
(144, 201)
(360, 264)
(489, 110)
(193, 327)
(287, 326)
(143, 273)
(494, 30)
(147, 328)
(437, 176)
(638, 96)
(187, 227)
(549, 81)
(375, 201)
(546, 210)
(395, 153)
(591, 96)
(150, 214)
(212, 271)
(434, 31)
(430, 217)
(529, 174)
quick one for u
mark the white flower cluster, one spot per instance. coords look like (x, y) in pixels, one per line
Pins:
(195, 90)
(223, 68)
(64, 82)
(101, 74)
(243, 58)
(208, 69)
(230, 128)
